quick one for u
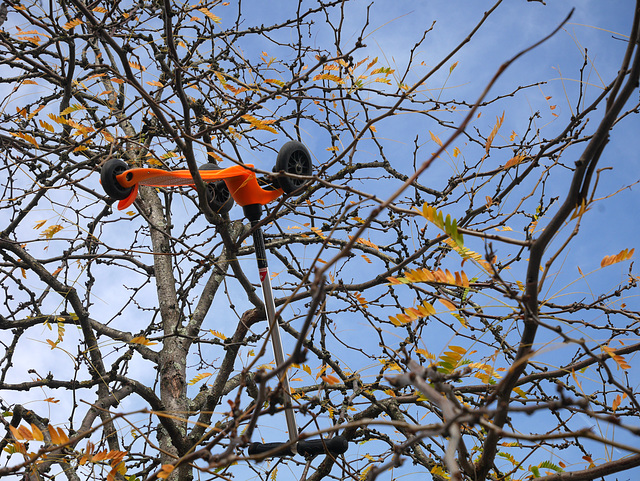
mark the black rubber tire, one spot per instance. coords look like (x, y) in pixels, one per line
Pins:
(110, 184)
(293, 158)
(218, 195)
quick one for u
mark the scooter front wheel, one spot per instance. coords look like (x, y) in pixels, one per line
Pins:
(293, 158)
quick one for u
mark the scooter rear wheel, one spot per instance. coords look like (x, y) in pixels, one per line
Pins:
(110, 184)
(218, 195)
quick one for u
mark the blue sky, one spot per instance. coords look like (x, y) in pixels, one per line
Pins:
(394, 27)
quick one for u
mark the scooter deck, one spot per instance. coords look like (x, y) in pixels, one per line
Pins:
(241, 182)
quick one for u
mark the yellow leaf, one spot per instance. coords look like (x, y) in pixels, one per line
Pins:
(494, 131)
(142, 341)
(16, 433)
(218, 334)
(213, 17)
(391, 365)
(279, 83)
(155, 83)
(435, 138)
(326, 76)
(513, 161)
(425, 353)
(622, 363)
(361, 299)
(260, 124)
(384, 70)
(436, 277)
(321, 371)
(456, 152)
(37, 434)
(50, 231)
(57, 119)
(136, 66)
(453, 66)
(35, 112)
(107, 136)
(460, 350)
(520, 392)
(317, 232)
(466, 253)
(200, 377)
(423, 310)
(364, 474)
(365, 242)
(166, 471)
(72, 108)
(100, 10)
(27, 137)
(616, 403)
(400, 319)
(39, 224)
(58, 436)
(72, 23)
(46, 125)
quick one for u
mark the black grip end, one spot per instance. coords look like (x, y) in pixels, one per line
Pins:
(261, 448)
(335, 446)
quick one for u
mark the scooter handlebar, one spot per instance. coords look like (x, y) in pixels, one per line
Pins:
(335, 446)
(260, 448)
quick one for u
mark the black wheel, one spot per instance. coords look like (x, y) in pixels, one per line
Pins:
(293, 158)
(218, 194)
(110, 184)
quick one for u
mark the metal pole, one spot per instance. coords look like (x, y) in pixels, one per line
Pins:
(252, 213)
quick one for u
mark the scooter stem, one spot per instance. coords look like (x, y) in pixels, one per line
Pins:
(252, 213)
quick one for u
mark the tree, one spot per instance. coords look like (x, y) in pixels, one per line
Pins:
(135, 341)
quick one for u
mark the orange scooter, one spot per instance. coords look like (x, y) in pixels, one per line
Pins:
(239, 183)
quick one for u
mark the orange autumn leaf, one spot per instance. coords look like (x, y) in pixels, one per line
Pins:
(513, 161)
(620, 361)
(623, 255)
(448, 304)
(329, 379)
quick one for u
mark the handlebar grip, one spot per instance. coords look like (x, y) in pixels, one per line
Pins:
(337, 445)
(312, 447)
(259, 448)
